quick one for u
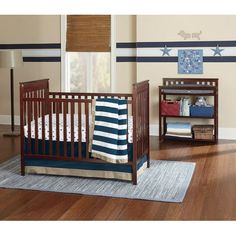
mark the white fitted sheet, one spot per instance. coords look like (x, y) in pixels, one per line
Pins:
(68, 128)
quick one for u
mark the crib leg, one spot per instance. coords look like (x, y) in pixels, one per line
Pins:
(148, 160)
(134, 176)
(22, 169)
(134, 181)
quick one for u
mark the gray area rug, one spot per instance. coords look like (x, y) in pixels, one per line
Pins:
(165, 181)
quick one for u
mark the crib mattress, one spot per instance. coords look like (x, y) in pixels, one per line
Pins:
(68, 128)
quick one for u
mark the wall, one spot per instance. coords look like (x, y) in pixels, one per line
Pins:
(165, 29)
(129, 29)
(27, 30)
(125, 72)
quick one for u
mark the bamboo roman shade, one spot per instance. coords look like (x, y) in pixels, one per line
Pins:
(88, 33)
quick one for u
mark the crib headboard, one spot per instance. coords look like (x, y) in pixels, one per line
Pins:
(32, 89)
(36, 89)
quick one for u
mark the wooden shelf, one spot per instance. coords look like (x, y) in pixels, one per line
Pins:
(189, 94)
(166, 137)
(193, 117)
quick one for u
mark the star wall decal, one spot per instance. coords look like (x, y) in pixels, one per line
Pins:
(217, 50)
(165, 51)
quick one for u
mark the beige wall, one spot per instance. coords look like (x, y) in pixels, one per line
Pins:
(125, 72)
(28, 29)
(46, 29)
(166, 28)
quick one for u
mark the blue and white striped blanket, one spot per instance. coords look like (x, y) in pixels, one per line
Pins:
(110, 130)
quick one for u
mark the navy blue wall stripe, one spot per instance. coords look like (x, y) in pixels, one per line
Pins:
(126, 45)
(231, 43)
(174, 59)
(125, 59)
(31, 46)
(157, 59)
(41, 59)
(220, 59)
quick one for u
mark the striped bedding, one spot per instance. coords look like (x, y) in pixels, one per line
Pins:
(109, 141)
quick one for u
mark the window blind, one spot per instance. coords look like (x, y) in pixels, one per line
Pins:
(88, 33)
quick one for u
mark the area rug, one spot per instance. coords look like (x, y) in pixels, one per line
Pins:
(165, 181)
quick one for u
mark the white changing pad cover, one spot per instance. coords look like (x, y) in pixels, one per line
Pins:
(68, 128)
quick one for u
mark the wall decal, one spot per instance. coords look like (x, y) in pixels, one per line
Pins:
(190, 61)
(165, 51)
(185, 35)
(217, 51)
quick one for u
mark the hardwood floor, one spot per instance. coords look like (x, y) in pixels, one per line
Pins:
(211, 195)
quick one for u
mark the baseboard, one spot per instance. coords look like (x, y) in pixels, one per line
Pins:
(227, 133)
(224, 133)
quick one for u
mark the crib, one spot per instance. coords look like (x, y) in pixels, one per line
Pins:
(55, 133)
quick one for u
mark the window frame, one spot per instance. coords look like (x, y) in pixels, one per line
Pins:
(65, 83)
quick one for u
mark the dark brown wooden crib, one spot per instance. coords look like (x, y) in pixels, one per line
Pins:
(39, 108)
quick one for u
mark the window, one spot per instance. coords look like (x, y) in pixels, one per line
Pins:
(89, 71)
(88, 53)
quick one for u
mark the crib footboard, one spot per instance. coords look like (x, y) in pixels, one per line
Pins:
(140, 124)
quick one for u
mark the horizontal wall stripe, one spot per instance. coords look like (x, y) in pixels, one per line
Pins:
(157, 59)
(220, 59)
(31, 46)
(126, 52)
(156, 52)
(173, 59)
(41, 52)
(125, 59)
(126, 45)
(231, 43)
(41, 59)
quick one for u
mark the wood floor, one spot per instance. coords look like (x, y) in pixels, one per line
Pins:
(211, 195)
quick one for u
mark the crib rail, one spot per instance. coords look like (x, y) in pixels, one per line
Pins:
(56, 112)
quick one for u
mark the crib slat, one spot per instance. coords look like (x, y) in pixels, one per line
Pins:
(29, 111)
(54, 104)
(24, 111)
(50, 128)
(127, 135)
(57, 128)
(43, 125)
(138, 127)
(36, 123)
(79, 131)
(65, 108)
(60, 96)
(39, 104)
(72, 133)
(87, 129)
